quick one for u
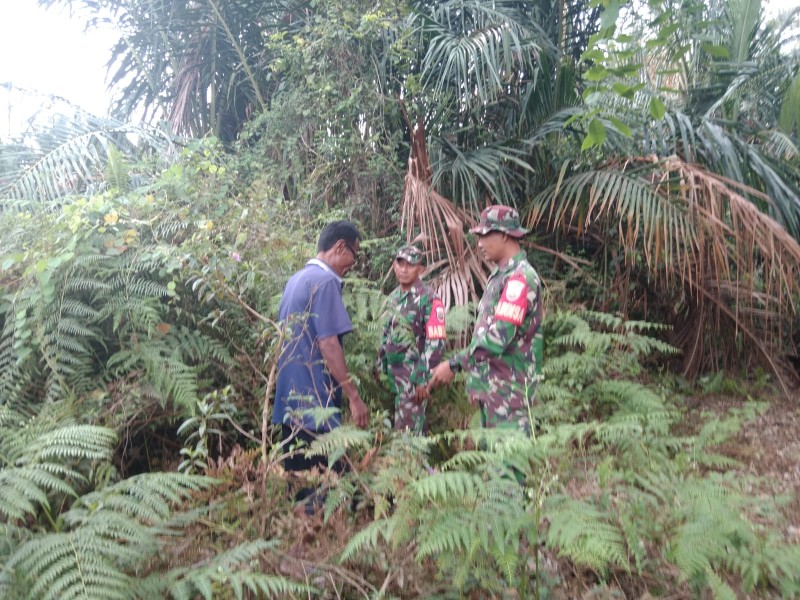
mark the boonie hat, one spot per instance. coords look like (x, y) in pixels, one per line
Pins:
(411, 254)
(499, 217)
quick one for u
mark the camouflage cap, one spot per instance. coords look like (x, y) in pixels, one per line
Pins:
(411, 254)
(500, 218)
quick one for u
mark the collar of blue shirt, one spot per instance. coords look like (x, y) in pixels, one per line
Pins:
(324, 266)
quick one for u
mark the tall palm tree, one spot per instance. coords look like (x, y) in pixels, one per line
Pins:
(194, 64)
(496, 84)
(492, 74)
(704, 206)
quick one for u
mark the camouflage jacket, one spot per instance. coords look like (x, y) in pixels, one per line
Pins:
(501, 359)
(413, 334)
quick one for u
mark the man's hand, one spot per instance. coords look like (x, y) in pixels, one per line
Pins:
(442, 375)
(421, 393)
(333, 354)
(359, 411)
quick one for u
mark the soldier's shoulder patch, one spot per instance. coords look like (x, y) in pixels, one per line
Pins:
(513, 304)
(435, 327)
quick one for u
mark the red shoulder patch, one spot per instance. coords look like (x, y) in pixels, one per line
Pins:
(513, 303)
(435, 327)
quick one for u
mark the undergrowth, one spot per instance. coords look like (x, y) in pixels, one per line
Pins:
(145, 318)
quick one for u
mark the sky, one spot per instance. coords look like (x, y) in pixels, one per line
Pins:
(49, 51)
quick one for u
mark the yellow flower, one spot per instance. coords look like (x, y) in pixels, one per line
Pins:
(130, 236)
(209, 225)
(111, 218)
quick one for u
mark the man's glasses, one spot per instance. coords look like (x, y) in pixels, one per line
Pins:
(353, 252)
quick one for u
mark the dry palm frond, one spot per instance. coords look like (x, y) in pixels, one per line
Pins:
(696, 231)
(455, 266)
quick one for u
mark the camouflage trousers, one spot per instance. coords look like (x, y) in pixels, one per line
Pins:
(516, 418)
(408, 413)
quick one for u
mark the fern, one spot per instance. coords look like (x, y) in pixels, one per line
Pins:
(473, 509)
(170, 228)
(163, 367)
(585, 534)
(367, 539)
(148, 497)
(232, 570)
(67, 565)
(75, 441)
(109, 533)
(199, 348)
(448, 535)
(770, 562)
(338, 440)
(439, 486)
(37, 465)
(117, 170)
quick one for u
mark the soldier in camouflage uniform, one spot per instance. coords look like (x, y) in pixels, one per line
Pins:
(504, 356)
(413, 340)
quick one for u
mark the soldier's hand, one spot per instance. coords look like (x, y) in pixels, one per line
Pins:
(421, 394)
(442, 375)
(359, 411)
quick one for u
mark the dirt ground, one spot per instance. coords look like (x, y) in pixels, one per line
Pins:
(769, 448)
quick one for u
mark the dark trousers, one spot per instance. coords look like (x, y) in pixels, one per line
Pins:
(311, 497)
(298, 461)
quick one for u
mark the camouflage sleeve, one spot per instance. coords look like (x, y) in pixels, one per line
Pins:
(417, 362)
(481, 348)
(499, 333)
(434, 332)
(386, 316)
(494, 341)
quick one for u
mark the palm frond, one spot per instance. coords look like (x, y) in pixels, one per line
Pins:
(695, 229)
(477, 48)
(70, 157)
(790, 107)
(438, 225)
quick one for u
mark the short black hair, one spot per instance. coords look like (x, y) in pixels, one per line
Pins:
(338, 230)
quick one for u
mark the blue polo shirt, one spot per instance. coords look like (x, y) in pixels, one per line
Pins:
(311, 308)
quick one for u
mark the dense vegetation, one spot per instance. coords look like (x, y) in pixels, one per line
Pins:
(653, 150)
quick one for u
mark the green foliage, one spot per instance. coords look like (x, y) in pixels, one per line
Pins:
(604, 482)
(335, 67)
(62, 157)
(212, 412)
(234, 570)
(142, 308)
(45, 462)
(585, 533)
(96, 543)
(104, 536)
(99, 304)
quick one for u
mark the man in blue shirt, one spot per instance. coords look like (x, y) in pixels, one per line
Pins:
(311, 368)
